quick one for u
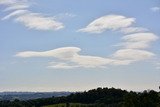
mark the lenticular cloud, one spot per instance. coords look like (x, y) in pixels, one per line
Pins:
(31, 20)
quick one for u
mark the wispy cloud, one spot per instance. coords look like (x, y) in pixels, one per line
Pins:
(108, 22)
(39, 22)
(15, 14)
(158, 65)
(64, 16)
(61, 65)
(10, 2)
(129, 30)
(155, 9)
(31, 20)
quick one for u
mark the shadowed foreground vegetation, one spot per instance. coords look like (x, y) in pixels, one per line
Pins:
(100, 97)
(70, 105)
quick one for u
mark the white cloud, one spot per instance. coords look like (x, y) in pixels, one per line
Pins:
(15, 14)
(61, 65)
(64, 53)
(91, 61)
(134, 45)
(121, 62)
(133, 30)
(138, 40)
(69, 57)
(133, 54)
(68, 54)
(29, 19)
(15, 4)
(6, 2)
(17, 7)
(39, 22)
(96, 61)
(145, 37)
(155, 9)
(109, 22)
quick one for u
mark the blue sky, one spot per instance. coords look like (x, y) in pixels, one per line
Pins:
(59, 45)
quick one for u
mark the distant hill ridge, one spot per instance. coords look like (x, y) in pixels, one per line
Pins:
(30, 95)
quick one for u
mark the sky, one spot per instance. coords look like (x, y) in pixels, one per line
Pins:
(63, 45)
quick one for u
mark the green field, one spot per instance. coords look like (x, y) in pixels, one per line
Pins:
(70, 105)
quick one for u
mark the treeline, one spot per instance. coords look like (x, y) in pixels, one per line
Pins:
(100, 97)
